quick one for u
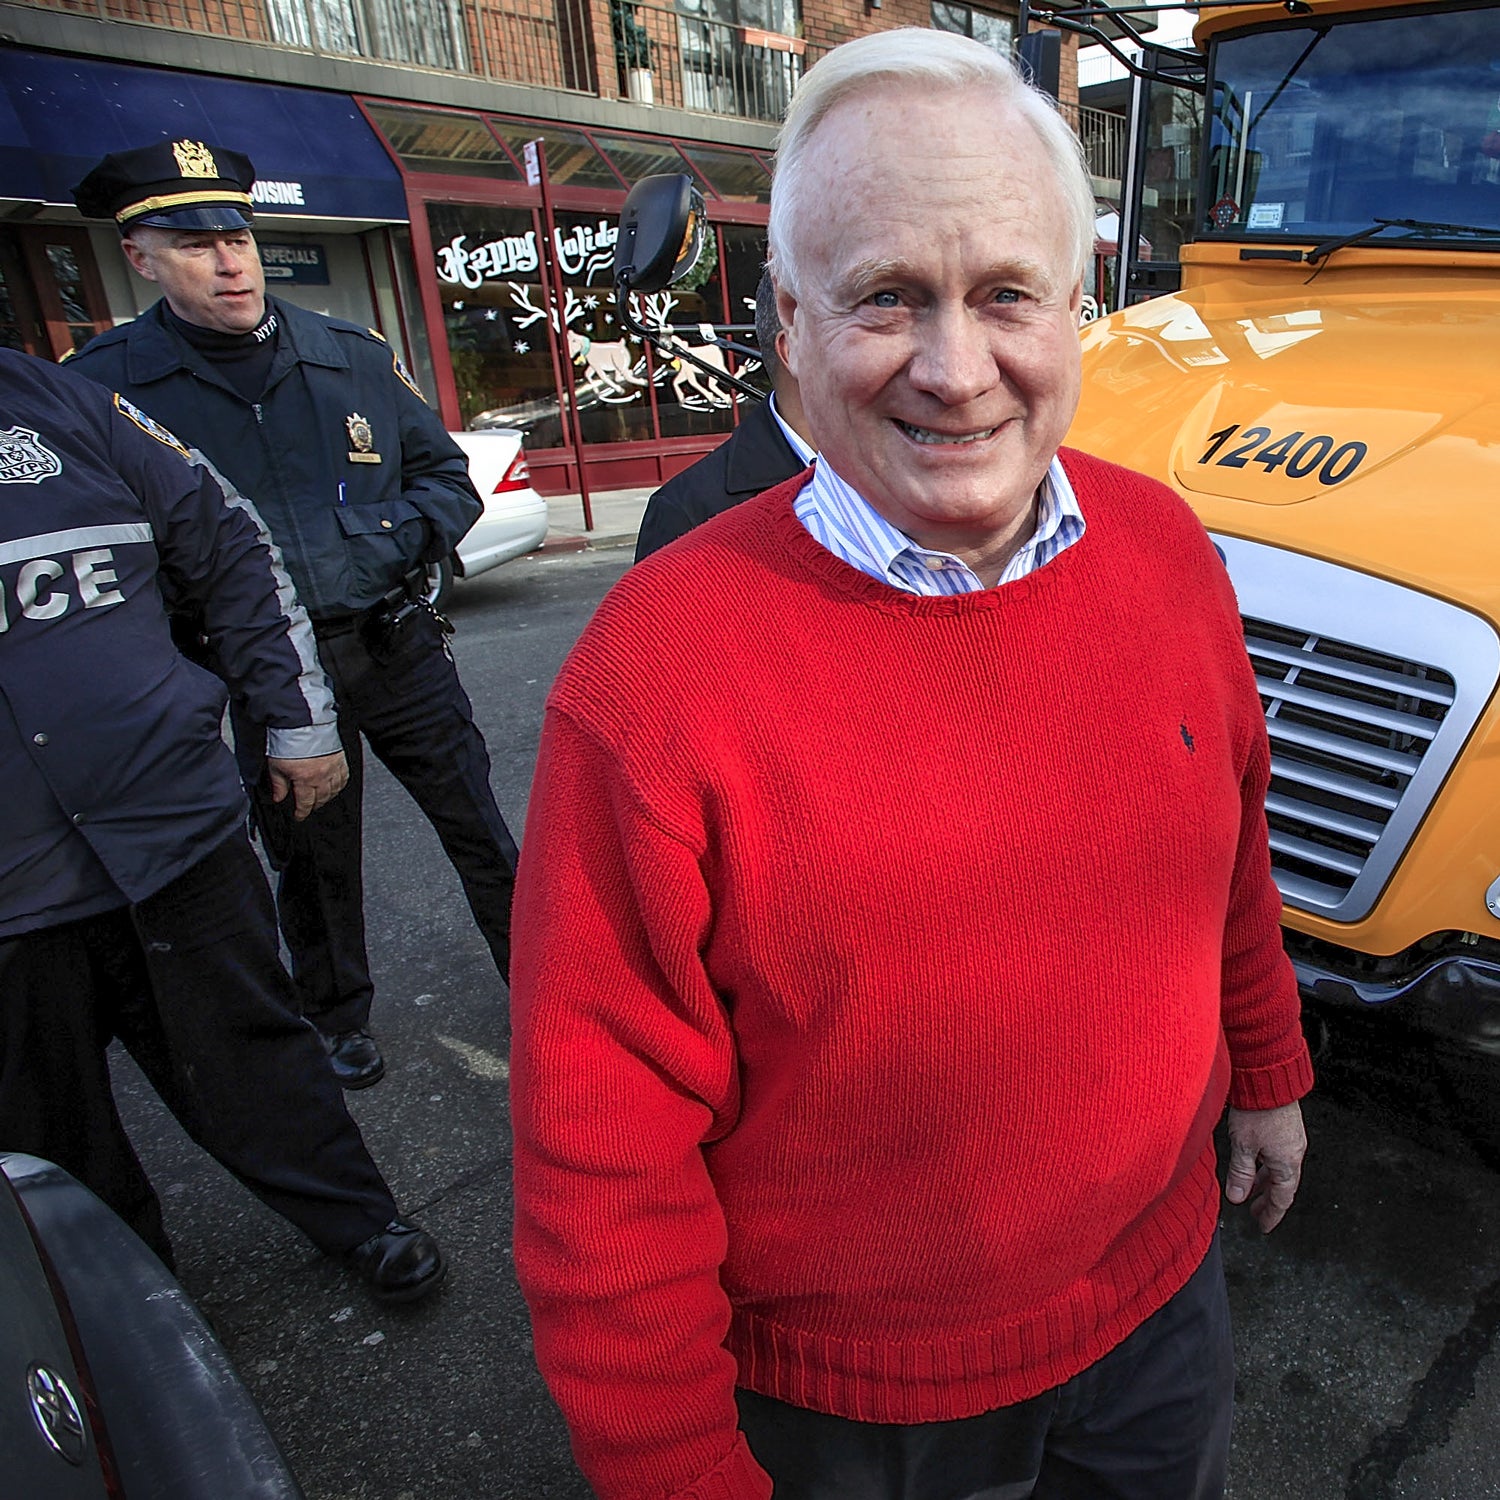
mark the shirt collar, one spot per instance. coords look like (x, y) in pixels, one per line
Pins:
(839, 517)
(798, 444)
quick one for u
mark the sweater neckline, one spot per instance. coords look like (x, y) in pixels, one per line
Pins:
(793, 538)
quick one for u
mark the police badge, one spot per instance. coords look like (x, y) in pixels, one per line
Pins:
(24, 458)
(194, 159)
(361, 440)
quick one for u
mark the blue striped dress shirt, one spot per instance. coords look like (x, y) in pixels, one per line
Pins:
(839, 517)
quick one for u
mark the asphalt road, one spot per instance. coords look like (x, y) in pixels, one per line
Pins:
(1365, 1325)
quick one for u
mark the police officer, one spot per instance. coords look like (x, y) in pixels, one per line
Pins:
(131, 903)
(320, 424)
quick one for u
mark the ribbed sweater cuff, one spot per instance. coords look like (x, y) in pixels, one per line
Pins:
(738, 1477)
(1270, 1088)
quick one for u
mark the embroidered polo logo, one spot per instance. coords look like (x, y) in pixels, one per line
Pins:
(25, 458)
(194, 159)
(1187, 738)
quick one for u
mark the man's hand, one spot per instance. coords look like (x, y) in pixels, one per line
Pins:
(1266, 1147)
(312, 782)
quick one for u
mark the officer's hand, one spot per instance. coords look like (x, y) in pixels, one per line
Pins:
(312, 782)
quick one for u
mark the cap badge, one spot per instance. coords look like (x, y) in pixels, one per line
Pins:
(361, 440)
(194, 159)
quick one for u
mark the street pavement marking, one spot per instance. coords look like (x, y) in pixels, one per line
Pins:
(481, 1064)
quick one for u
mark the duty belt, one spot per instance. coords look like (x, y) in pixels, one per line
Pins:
(411, 587)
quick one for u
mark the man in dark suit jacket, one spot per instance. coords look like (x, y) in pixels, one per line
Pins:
(761, 452)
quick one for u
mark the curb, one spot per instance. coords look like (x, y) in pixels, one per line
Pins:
(562, 544)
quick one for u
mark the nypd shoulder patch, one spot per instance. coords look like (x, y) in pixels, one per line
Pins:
(151, 427)
(404, 376)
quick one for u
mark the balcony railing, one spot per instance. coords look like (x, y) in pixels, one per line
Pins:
(709, 66)
(1103, 137)
(694, 63)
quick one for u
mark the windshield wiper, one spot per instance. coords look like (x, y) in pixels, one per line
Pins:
(1327, 247)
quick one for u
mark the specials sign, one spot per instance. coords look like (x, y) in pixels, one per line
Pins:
(302, 265)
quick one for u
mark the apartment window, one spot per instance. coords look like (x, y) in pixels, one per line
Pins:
(728, 65)
(984, 26)
(426, 32)
(769, 15)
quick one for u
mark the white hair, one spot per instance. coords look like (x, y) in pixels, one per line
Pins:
(940, 60)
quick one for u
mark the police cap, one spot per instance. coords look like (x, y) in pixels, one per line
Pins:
(170, 185)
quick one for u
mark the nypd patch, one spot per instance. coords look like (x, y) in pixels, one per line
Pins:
(397, 368)
(150, 426)
(25, 458)
(404, 377)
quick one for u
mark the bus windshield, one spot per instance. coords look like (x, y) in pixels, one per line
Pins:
(1325, 130)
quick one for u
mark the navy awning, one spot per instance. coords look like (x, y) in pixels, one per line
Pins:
(315, 155)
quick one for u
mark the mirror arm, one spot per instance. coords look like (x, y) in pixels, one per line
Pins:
(1046, 16)
(659, 342)
(742, 350)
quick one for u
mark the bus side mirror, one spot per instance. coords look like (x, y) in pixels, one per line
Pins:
(662, 227)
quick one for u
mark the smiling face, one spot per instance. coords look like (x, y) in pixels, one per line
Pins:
(934, 326)
(212, 278)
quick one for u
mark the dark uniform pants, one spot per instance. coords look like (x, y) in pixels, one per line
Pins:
(419, 722)
(1148, 1421)
(191, 981)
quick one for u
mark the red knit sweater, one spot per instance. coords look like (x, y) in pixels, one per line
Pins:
(880, 967)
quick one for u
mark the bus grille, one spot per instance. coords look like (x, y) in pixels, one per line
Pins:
(1349, 727)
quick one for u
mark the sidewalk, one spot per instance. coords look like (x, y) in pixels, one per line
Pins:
(617, 520)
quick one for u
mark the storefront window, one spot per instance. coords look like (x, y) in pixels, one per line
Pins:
(689, 401)
(611, 373)
(487, 273)
(18, 324)
(571, 161)
(744, 259)
(427, 140)
(736, 176)
(496, 317)
(418, 345)
(634, 159)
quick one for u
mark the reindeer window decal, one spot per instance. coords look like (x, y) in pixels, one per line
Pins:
(506, 336)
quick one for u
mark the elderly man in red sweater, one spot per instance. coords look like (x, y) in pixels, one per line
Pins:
(895, 913)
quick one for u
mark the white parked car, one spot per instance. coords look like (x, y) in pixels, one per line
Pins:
(514, 519)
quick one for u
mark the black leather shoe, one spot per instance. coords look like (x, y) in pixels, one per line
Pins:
(355, 1059)
(399, 1264)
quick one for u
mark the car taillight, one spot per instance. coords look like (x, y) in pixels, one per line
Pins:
(517, 476)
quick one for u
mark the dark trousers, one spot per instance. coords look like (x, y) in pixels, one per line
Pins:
(413, 710)
(1148, 1421)
(191, 981)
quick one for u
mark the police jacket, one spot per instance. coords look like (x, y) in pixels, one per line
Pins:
(350, 469)
(116, 776)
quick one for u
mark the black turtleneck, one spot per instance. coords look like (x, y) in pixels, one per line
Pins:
(243, 359)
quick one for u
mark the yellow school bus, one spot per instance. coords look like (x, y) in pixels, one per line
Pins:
(1324, 389)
